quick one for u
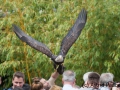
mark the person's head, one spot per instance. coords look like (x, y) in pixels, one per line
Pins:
(55, 87)
(36, 85)
(93, 79)
(18, 88)
(45, 83)
(18, 79)
(106, 77)
(68, 77)
(85, 77)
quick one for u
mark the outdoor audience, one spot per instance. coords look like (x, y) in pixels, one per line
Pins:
(92, 81)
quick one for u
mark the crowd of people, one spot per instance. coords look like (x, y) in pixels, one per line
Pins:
(92, 80)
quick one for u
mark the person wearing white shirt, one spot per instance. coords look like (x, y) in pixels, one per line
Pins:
(69, 80)
(106, 81)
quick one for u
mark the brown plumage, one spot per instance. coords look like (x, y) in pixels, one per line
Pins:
(66, 44)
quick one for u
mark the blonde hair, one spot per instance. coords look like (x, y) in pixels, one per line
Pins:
(36, 85)
(55, 87)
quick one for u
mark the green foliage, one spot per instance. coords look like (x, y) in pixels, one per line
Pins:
(97, 48)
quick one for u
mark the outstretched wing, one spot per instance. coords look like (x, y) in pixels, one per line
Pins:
(32, 42)
(74, 33)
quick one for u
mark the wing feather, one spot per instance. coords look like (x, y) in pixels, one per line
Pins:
(73, 33)
(32, 42)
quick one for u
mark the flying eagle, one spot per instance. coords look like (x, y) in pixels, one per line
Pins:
(66, 43)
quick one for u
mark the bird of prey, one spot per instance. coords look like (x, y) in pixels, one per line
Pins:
(66, 43)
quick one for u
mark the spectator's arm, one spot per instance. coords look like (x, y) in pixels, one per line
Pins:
(53, 77)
